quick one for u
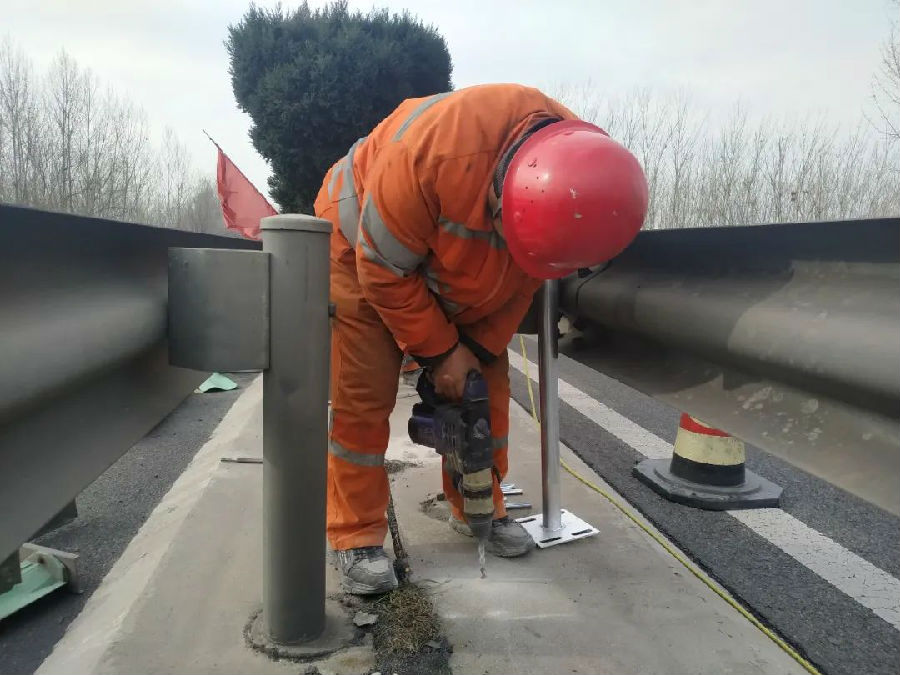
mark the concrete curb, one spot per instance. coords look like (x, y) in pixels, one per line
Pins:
(106, 613)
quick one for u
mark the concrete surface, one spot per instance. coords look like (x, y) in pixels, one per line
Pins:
(181, 595)
(178, 599)
(110, 512)
(612, 603)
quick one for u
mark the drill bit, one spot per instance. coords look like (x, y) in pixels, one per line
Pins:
(481, 557)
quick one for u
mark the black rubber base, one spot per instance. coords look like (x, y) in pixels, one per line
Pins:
(754, 493)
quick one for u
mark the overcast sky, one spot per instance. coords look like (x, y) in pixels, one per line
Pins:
(781, 58)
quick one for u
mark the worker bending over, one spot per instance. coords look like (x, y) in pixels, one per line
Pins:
(447, 217)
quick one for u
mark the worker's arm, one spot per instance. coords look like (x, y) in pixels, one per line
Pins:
(395, 226)
(488, 337)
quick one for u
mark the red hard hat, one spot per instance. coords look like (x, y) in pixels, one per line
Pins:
(572, 197)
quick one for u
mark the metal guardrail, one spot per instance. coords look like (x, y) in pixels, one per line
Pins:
(84, 369)
(787, 336)
(270, 311)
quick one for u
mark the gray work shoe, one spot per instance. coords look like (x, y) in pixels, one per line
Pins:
(508, 539)
(366, 571)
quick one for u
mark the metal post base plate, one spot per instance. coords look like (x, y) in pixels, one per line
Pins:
(754, 493)
(572, 528)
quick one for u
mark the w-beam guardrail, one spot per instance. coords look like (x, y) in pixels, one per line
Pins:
(787, 336)
(84, 368)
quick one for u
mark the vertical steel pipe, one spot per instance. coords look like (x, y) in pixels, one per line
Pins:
(295, 427)
(549, 374)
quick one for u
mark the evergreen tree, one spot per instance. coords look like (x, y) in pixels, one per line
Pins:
(313, 81)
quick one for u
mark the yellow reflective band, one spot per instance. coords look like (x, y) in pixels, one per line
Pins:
(422, 107)
(385, 249)
(348, 200)
(461, 231)
(433, 284)
(335, 171)
(354, 456)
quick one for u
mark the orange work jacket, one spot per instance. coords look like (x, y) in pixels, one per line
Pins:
(413, 200)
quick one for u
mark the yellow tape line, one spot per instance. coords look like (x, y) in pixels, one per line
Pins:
(790, 651)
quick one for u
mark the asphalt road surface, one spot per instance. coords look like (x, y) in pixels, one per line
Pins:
(822, 605)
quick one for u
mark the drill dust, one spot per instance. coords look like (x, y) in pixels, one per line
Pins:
(393, 466)
(436, 506)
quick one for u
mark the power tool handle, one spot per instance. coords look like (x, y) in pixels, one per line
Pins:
(426, 391)
(475, 388)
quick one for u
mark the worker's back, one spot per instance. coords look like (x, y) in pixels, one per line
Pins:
(421, 180)
(456, 139)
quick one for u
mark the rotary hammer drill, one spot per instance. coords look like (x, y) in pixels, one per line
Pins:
(461, 433)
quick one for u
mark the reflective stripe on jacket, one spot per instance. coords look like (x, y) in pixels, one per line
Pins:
(413, 200)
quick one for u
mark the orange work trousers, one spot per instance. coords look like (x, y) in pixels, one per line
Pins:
(365, 372)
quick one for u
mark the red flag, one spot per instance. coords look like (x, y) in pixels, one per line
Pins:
(242, 204)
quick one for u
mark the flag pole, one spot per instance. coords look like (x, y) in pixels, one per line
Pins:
(205, 133)
(237, 168)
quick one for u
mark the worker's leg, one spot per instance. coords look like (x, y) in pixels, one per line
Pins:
(496, 375)
(365, 364)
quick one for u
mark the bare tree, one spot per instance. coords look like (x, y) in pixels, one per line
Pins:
(68, 144)
(204, 214)
(173, 178)
(684, 139)
(63, 102)
(886, 83)
(744, 172)
(17, 120)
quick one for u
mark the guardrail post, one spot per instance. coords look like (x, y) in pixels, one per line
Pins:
(554, 525)
(295, 427)
(269, 311)
(548, 360)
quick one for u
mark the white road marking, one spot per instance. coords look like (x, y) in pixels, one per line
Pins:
(853, 575)
(869, 585)
(631, 433)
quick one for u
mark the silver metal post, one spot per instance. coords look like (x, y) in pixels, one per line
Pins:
(548, 367)
(295, 433)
